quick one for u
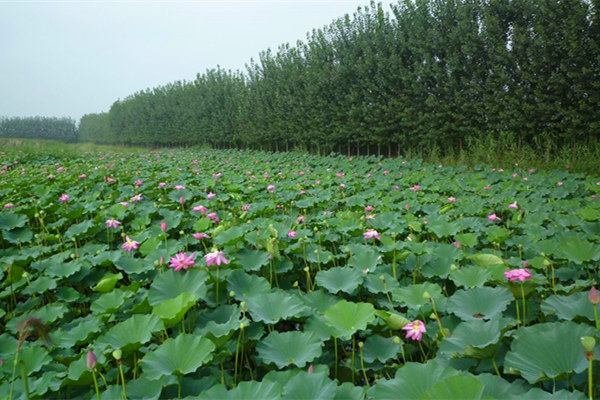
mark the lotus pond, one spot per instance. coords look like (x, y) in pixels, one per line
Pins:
(249, 275)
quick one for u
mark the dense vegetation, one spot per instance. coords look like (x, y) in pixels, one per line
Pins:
(445, 76)
(62, 129)
(226, 274)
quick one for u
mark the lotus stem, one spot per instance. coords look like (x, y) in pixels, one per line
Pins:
(590, 378)
(96, 385)
(179, 386)
(12, 381)
(596, 318)
(335, 348)
(353, 351)
(496, 367)
(122, 380)
(523, 298)
(437, 317)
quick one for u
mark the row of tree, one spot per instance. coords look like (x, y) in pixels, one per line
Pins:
(441, 73)
(61, 129)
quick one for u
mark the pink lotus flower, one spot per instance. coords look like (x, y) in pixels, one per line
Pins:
(520, 274)
(451, 199)
(271, 188)
(91, 360)
(292, 234)
(343, 185)
(110, 180)
(246, 207)
(200, 236)
(215, 258)
(124, 203)
(82, 176)
(369, 208)
(112, 223)
(202, 209)
(162, 184)
(415, 188)
(513, 206)
(179, 187)
(135, 198)
(370, 216)
(415, 330)
(182, 261)
(210, 195)
(486, 188)
(371, 233)
(456, 244)
(300, 219)
(51, 176)
(139, 182)
(493, 217)
(559, 183)
(163, 226)
(182, 200)
(386, 172)
(64, 198)
(8, 205)
(407, 207)
(130, 244)
(213, 216)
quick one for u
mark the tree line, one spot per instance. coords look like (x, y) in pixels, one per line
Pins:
(61, 129)
(424, 74)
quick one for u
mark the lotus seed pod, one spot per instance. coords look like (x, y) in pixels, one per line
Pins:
(117, 354)
(588, 343)
(426, 295)
(397, 340)
(232, 294)
(181, 233)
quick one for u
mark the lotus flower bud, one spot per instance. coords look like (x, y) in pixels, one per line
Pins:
(588, 342)
(163, 226)
(593, 296)
(91, 360)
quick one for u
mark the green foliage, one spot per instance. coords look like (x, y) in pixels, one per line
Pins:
(61, 129)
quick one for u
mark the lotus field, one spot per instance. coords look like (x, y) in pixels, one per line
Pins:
(249, 275)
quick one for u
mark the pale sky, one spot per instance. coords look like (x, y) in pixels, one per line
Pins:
(70, 58)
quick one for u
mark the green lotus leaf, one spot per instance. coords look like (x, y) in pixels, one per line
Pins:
(265, 390)
(380, 348)
(346, 318)
(131, 265)
(172, 311)
(466, 239)
(66, 269)
(479, 303)
(35, 358)
(245, 285)
(569, 307)
(338, 279)
(485, 260)
(274, 306)
(499, 388)
(131, 333)
(455, 387)
(363, 257)
(41, 285)
(578, 250)
(319, 300)
(415, 296)
(347, 391)
(149, 245)
(81, 229)
(548, 351)
(252, 260)
(110, 302)
(470, 277)
(229, 236)
(315, 386)
(442, 228)
(144, 388)
(474, 339)
(375, 284)
(77, 332)
(9, 220)
(412, 381)
(220, 321)
(177, 356)
(171, 284)
(287, 348)
(48, 314)
(107, 283)
(18, 235)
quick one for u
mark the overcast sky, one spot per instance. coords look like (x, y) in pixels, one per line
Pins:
(70, 58)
